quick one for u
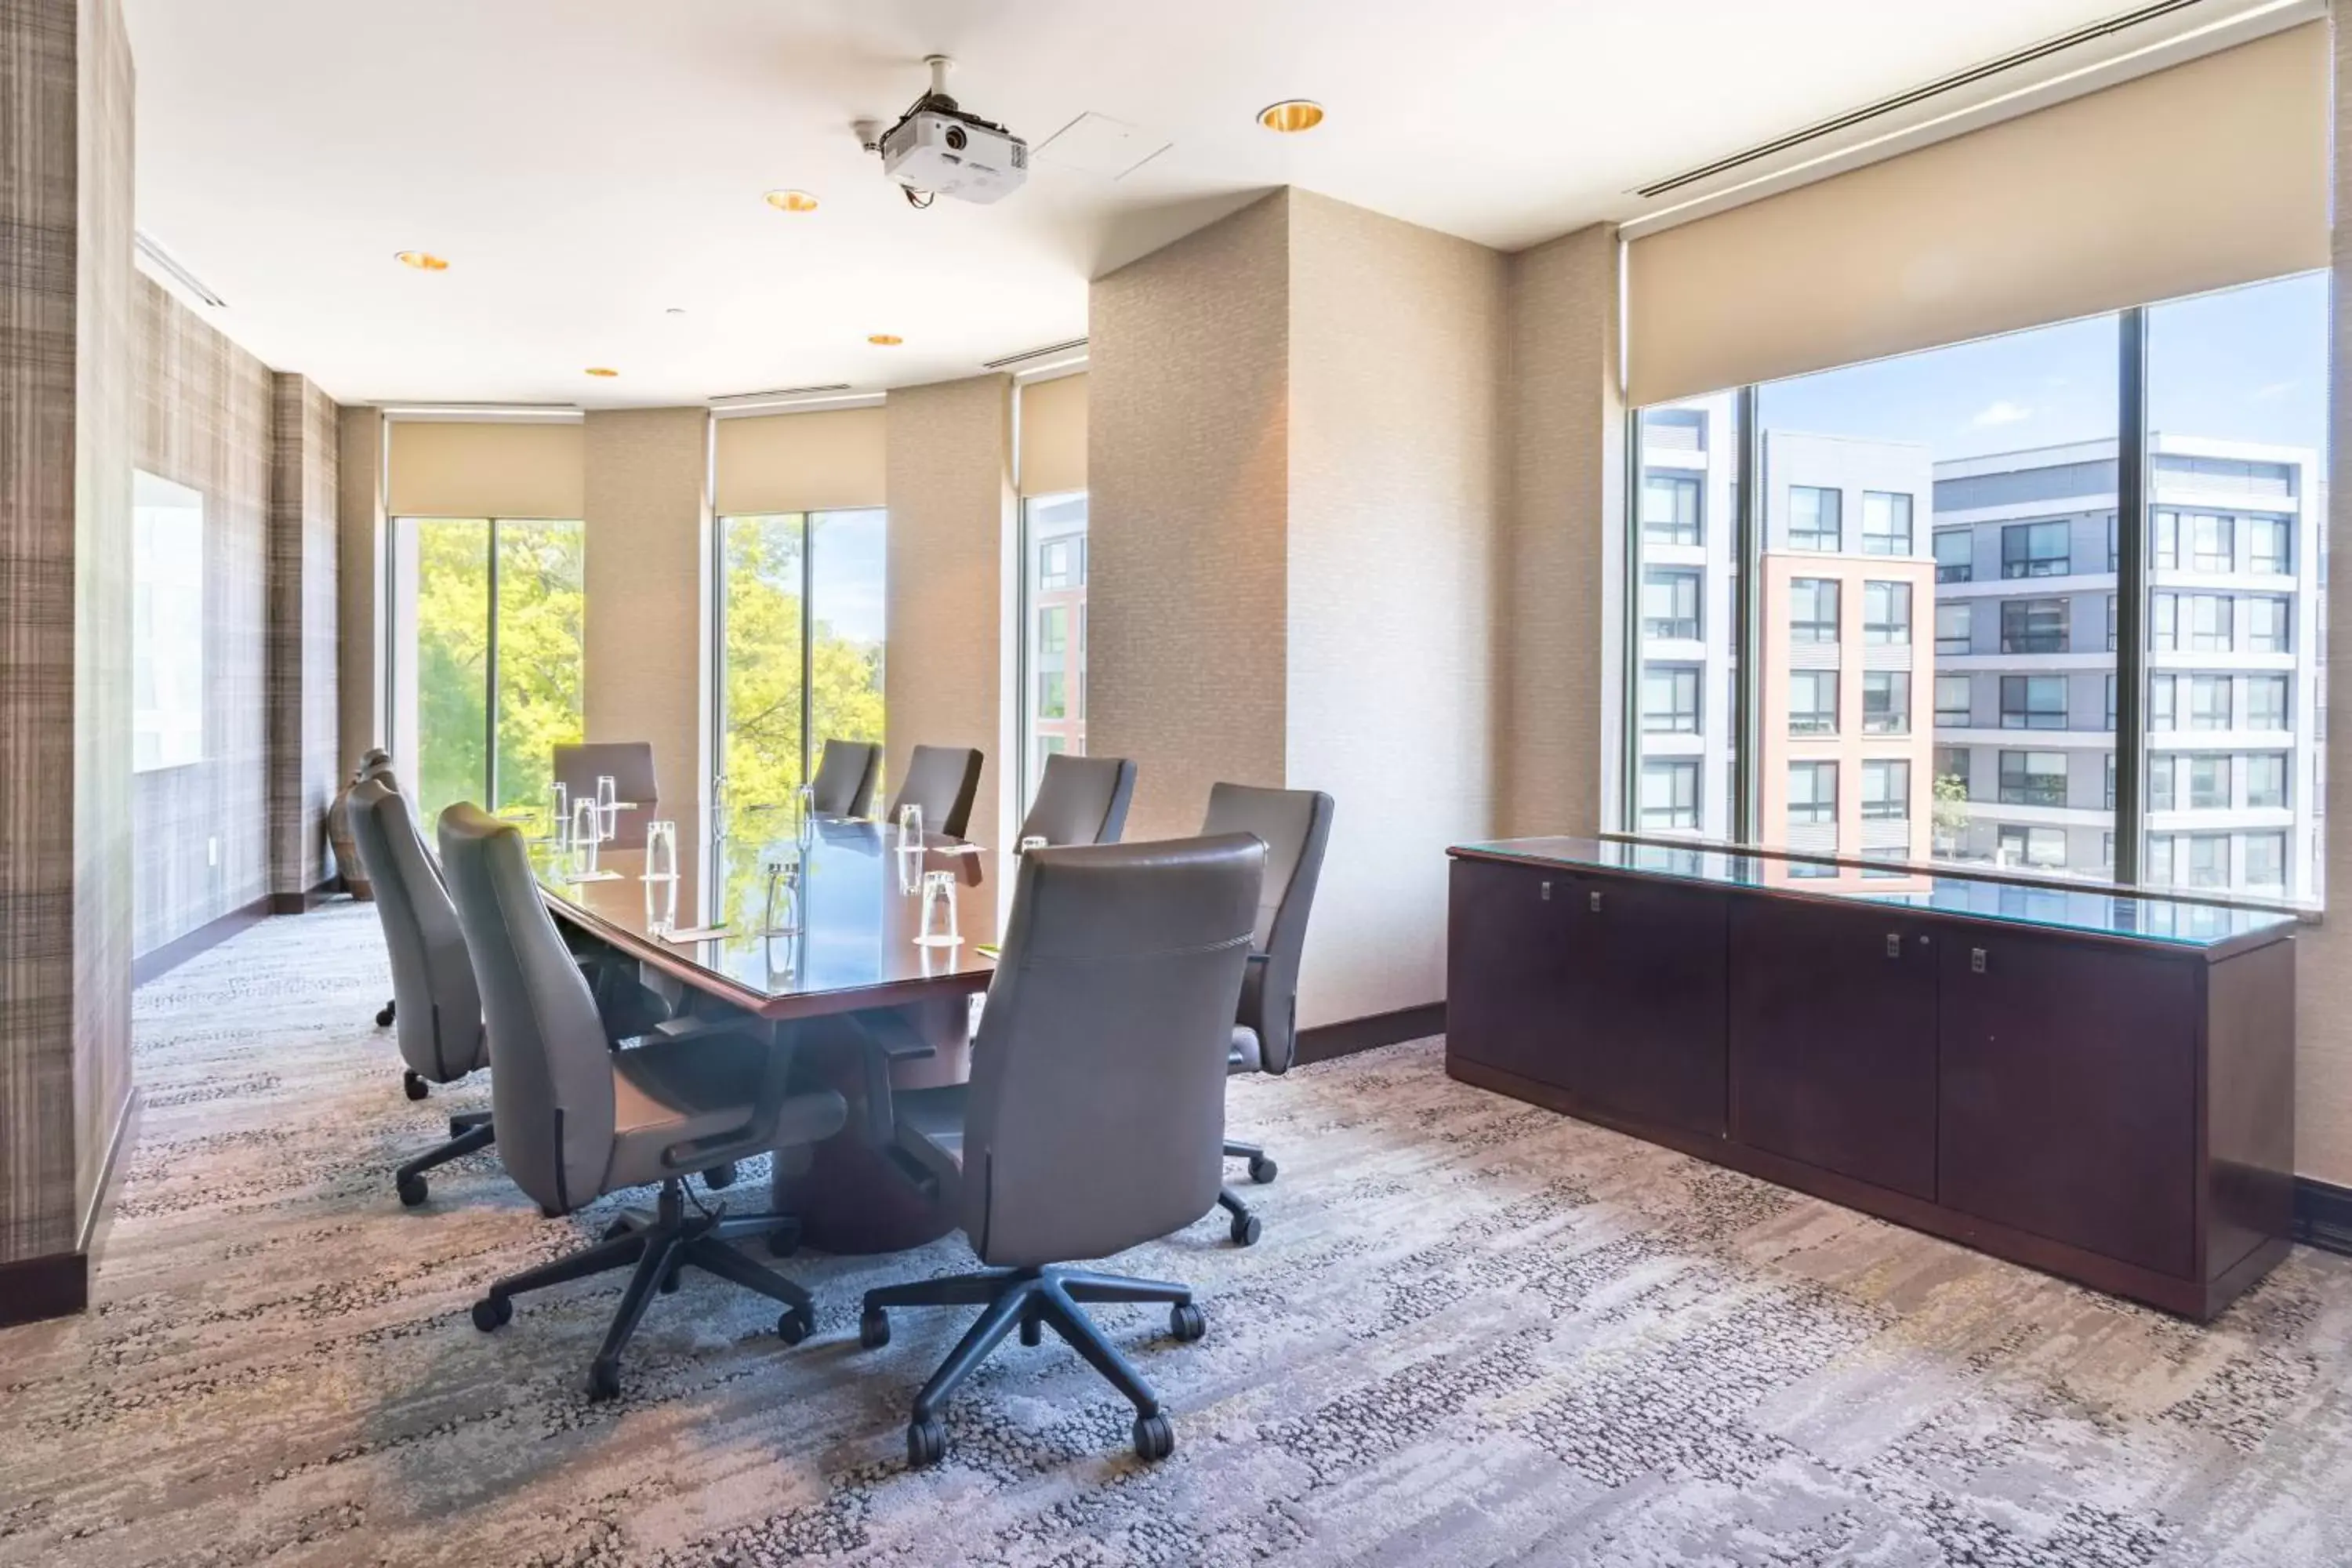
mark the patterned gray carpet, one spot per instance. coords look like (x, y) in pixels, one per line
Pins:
(1474, 1333)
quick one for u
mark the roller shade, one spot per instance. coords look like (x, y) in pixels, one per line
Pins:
(2211, 173)
(802, 462)
(444, 468)
(1053, 435)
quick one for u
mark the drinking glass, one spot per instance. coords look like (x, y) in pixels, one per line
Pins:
(1034, 841)
(584, 838)
(806, 798)
(939, 911)
(783, 910)
(560, 830)
(910, 826)
(661, 905)
(608, 804)
(661, 851)
(910, 870)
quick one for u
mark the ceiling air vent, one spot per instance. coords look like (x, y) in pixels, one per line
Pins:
(165, 262)
(1917, 95)
(1030, 358)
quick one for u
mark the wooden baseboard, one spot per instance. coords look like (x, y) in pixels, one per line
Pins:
(56, 1285)
(299, 903)
(118, 1144)
(2323, 1214)
(1345, 1038)
(162, 961)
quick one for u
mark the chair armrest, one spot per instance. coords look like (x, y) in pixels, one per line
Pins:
(889, 1040)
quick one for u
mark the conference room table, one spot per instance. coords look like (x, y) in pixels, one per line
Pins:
(847, 987)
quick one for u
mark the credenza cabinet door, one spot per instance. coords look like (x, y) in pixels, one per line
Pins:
(1834, 1040)
(1507, 1002)
(1649, 986)
(2069, 1095)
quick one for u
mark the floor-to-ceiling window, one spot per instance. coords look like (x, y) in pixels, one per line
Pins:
(1948, 551)
(1054, 618)
(799, 647)
(485, 655)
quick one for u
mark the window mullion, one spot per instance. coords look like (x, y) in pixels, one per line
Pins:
(2131, 591)
(490, 677)
(1748, 552)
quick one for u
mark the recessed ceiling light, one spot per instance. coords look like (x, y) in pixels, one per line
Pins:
(423, 260)
(791, 201)
(1291, 115)
(886, 340)
(604, 370)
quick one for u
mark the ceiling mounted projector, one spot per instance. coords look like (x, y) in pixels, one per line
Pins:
(937, 149)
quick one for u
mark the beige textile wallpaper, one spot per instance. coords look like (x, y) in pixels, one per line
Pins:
(304, 710)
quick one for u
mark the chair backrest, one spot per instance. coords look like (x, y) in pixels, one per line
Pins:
(942, 780)
(1296, 824)
(630, 766)
(371, 759)
(551, 1065)
(1081, 799)
(1096, 1116)
(439, 1008)
(843, 785)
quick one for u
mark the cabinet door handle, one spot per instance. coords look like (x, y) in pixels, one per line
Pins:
(1894, 945)
(1976, 961)
(1596, 903)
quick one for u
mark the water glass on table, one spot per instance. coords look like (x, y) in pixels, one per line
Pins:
(586, 836)
(938, 928)
(910, 826)
(608, 804)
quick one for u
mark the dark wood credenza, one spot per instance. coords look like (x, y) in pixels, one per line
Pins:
(2097, 1086)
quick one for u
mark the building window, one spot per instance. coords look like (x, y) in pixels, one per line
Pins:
(2034, 550)
(1670, 509)
(1670, 603)
(2163, 623)
(2163, 779)
(2111, 702)
(1670, 699)
(1053, 596)
(1813, 702)
(2266, 621)
(2266, 862)
(1886, 702)
(2208, 860)
(2115, 561)
(2110, 794)
(1952, 701)
(1812, 793)
(1952, 628)
(1813, 520)
(1955, 554)
(2033, 625)
(2164, 541)
(2209, 702)
(2163, 693)
(2209, 622)
(2034, 778)
(2267, 781)
(2032, 701)
(1812, 610)
(2157, 871)
(1886, 613)
(2267, 551)
(2044, 847)
(1952, 765)
(1885, 523)
(1670, 794)
(1886, 790)
(2210, 544)
(2209, 782)
(2265, 702)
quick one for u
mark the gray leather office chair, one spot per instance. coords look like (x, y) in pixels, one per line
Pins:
(1081, 799)
(577, 1121)
(376, 763)
(843, 785)
(630, 766)
(942, 780)
(1295, 826)
(441, 1037)
(1097, 1107)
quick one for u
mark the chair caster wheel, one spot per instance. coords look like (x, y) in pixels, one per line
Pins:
(492, 1313)
(603, 1380)
(669, 1280)
(384, 1016)
(720, 1177)
(1186, 1322)
(1262, 1169)
(1246, 1230)
(796, 1325)
(1154, 1437)
(411, 1190)
(1032, 1333)
(413, 1085)
(873, 1328)
(927, 1442)
(613, 1231)
(783, 1241)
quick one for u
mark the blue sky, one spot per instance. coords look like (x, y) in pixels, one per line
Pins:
(2247, 364)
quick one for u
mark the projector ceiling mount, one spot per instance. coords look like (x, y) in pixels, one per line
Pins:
(938, 148)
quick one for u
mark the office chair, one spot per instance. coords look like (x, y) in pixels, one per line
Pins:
(376, 763)
(1081, 799)
(578, 1120)
(942, 780)
(1295, 825)
(1096, 1112)
(843, 785)
(630, 766)
(441, 1037)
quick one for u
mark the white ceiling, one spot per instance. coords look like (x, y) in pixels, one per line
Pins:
(586, 165)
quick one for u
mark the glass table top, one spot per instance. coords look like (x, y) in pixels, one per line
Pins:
(860, 909)
(2093, 911)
